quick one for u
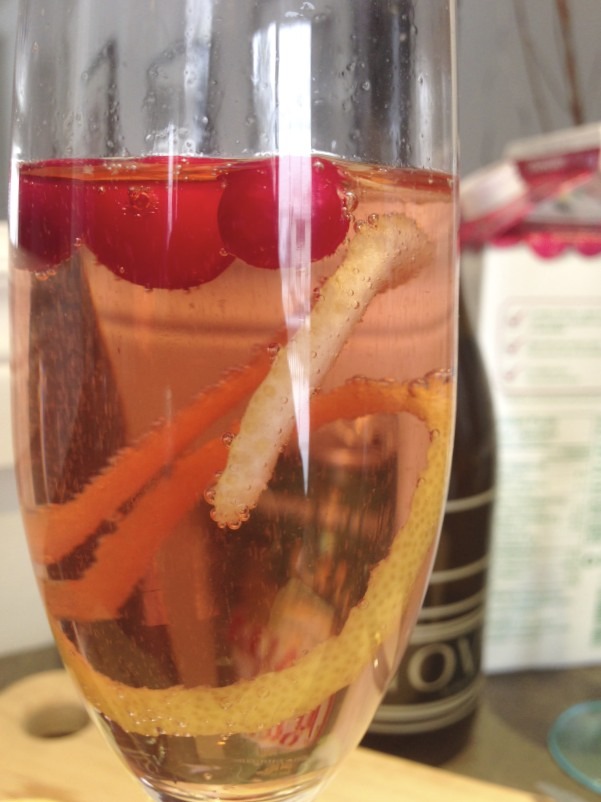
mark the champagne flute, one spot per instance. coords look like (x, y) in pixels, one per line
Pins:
(233, 303)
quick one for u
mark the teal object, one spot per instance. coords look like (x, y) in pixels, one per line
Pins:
(575, 743)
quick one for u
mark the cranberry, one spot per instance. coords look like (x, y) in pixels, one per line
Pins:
(264, 220)
(155, 233)
(48, 222)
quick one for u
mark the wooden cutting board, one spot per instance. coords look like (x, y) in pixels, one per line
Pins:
(49, 750)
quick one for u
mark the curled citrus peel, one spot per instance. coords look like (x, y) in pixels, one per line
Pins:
(388, 253)
(122, 558)
(253, 705)
(54, 530)
(375, 261)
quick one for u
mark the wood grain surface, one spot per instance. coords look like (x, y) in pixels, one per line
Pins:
(49, 751)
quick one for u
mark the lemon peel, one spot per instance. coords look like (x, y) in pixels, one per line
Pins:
(390, 252)
(259, 703)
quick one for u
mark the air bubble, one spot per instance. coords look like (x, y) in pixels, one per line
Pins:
(372, 220)
(142, 201)
(227, 439)
(350, 201)
(213, 517)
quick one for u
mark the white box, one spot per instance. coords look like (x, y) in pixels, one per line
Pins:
(539, 326)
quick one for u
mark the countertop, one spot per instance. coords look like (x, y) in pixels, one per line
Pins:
(508, 742)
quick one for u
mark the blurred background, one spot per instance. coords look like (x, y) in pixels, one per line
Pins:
(525, 67)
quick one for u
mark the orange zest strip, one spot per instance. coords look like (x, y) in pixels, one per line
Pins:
(249, 706)
(361, 396)
(123, 557)
(55, 530)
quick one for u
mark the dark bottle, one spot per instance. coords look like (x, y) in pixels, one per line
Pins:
(429, 709)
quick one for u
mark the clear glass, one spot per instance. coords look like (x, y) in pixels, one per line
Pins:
(575, 743)
(233, 304)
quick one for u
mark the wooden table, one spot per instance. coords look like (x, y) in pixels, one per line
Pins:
(48, 750)
(507, 748)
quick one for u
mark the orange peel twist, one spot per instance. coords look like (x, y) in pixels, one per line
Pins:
(256, 704)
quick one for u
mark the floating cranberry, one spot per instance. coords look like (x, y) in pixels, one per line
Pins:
(49, 217)
(264, 219)
(155, 233)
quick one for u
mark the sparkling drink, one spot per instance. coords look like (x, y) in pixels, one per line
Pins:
(234, 382)
(430, 707)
